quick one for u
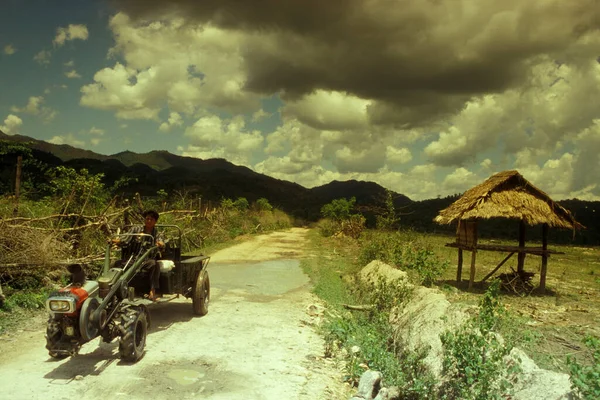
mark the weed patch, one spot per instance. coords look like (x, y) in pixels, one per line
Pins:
(585, 379)
(475, 365)
(404, 251)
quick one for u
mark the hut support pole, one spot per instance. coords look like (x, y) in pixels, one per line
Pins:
(472, 277)
(521, 260)
(460, 263)
(498, 266)
(544, 258)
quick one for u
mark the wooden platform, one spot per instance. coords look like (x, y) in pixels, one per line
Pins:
(538, 251)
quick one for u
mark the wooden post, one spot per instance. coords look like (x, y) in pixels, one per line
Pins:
(18, 184)
(460, 263)
(544, 258)
(472, 277)
(126, 213)
(521, 259)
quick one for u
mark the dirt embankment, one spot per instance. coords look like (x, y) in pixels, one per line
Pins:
(257, 342)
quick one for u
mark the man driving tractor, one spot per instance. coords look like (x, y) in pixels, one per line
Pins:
(132, 247)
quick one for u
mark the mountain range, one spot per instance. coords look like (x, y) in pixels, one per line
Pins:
(215, 179)
(211, 179)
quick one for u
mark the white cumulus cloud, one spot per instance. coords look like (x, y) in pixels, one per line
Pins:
(11, 125)
(173, 120)
(70, 32)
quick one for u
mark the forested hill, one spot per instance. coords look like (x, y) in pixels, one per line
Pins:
(215, 179)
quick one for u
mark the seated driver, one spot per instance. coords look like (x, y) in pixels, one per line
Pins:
(149, 227)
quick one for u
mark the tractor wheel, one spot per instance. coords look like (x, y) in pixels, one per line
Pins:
(87, 328)
(201, 295)
(133, 340)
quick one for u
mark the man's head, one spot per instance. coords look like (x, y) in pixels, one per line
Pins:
(150, 218)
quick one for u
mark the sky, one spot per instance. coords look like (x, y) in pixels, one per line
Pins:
(425, 97)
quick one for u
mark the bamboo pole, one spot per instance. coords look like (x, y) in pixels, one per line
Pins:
(521, 258)
(472, 277)
(460, 264)
(18, 185)
(544, 258)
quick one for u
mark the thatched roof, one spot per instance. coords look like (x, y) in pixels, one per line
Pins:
(508, 195)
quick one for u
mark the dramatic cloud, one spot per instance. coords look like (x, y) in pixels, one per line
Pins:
(71, 32)
(11, 124)
(424, 97)
(187, 68)
(9, 49)
(423, 59)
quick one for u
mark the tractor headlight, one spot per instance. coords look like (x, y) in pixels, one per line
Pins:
(62, 306)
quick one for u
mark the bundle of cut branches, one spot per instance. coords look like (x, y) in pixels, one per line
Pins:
(517, 282)
(23, 245)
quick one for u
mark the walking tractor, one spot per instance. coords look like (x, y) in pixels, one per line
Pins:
(113, 306)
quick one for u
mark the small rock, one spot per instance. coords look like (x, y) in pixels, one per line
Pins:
(355, 349)
(391, 393)
(169, 387)
(382, 395)
(369, 384)
(79, 378)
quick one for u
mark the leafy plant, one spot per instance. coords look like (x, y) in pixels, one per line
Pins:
(394, 248)
(366, 338)
(338, 209)
(388, 219)
(585, 380)
(241, 204)
(263, 204)
(474, 356)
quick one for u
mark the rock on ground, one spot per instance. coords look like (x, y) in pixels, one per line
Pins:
(428, 314)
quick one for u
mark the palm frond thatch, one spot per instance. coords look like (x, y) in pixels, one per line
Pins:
(508, 195)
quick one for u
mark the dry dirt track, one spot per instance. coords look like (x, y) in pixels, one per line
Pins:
(256, 342)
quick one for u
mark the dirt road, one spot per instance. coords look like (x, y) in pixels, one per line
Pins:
(257, 341)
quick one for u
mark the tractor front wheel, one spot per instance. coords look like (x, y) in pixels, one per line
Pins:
(134, 325)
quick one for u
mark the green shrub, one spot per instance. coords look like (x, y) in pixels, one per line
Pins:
(27, 299)
(328, 228)
(394, 249)
(338, 209)
(474, 356)
(263, 204)
(585, 380)
(241, 204)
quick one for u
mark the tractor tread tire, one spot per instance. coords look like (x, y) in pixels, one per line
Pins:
(132, 343)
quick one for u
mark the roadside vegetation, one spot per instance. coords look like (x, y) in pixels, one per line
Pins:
(71, 215)
(556, 330)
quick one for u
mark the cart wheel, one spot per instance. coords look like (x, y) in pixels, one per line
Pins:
(133, 341)
(201, 296)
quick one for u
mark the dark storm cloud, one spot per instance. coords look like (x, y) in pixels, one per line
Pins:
(417, 59)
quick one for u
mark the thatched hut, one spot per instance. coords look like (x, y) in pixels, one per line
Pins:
(505, 195)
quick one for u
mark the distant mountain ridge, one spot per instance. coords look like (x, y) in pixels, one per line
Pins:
(212, 178)
(215, 179)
